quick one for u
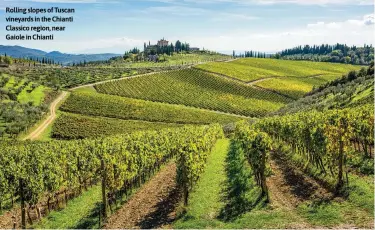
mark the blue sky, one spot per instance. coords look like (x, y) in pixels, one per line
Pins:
(221, 25)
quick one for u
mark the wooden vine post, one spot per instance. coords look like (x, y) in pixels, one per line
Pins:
(104, 197)
(340, 180)
(23, 206)
(263, 176)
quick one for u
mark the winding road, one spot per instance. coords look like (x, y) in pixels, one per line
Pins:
(34, 135)
(51, 117)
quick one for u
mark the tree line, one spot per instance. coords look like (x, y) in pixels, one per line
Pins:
(169, 49)
(251, 54)
(339, 53)
(6, 60)
(136, 54)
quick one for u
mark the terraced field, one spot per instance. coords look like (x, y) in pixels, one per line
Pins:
(251, 69)
(199, 89)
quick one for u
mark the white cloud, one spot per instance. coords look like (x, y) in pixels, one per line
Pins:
(356, 31)
(351, 32)
(367, 20)
(232, 17)
(179, 10)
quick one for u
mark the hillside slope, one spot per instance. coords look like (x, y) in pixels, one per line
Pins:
(353, 89)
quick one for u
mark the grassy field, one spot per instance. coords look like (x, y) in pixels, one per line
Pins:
(80, 213)
(196, 88)
(36, 95)
(75, 126)
(29, 93)
(226, 197)
(250, 69)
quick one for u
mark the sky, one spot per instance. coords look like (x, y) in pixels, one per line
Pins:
(102, 26)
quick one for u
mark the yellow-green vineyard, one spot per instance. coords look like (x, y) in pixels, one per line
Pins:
(249, 143)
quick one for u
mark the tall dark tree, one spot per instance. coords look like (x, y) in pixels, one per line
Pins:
(178, 46)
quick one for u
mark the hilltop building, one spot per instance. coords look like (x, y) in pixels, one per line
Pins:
(153, 49)
(163, 43)
(165, 47)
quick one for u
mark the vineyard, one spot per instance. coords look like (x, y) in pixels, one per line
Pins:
(75, 126)
(195, 88)
(250, 69)
(294, 87)
(351, 90)
(32, 171)
(193, 147)
(92, 104)
(326, 141)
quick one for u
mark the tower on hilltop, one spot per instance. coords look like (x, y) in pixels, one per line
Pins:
(163, 42)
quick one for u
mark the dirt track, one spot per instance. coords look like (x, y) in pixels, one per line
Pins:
(153, 206)
(51, 117)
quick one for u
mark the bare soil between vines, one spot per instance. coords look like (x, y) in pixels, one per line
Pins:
(153, 206)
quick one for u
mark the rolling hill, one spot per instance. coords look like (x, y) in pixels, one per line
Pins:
(65, 59)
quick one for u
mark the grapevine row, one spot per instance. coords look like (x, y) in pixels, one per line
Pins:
(325, 138)
(192, 156)
(255, 145)
(92, 104)
(199, 89)
(32, 170)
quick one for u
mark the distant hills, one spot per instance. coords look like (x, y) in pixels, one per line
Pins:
(65, 59)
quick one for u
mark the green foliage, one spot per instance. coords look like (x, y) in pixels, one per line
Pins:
(80, 213)
(122, 162)
(226, 197)
(294, 87)
(192, 156)
(196, 88)
(95, 104)
(75, 126)
(251, 69)
(353, 89)
(33, 93)
(340, 53)
(255, 146)
(324, 138)
(68, 77)
(177, 60)
(22, 103)
(16, 117)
